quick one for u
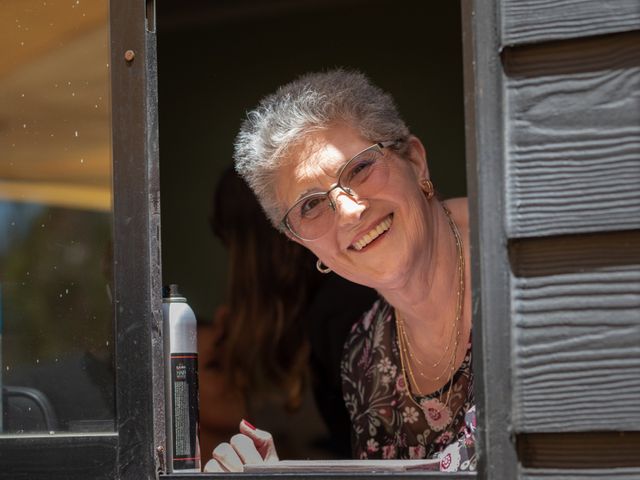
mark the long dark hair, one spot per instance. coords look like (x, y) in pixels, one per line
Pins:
(270, 283)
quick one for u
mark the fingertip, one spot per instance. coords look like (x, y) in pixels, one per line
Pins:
(245, 423)
(251, 431)
(213, 466)
(260, 437)
(227, 457)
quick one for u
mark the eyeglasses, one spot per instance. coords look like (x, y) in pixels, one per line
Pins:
(365, 174)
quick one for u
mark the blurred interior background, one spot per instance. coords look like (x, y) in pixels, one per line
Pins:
(217, 59)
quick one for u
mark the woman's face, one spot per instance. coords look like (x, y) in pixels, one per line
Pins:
(399, 208)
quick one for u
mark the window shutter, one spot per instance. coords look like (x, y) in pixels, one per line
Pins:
(554, 150)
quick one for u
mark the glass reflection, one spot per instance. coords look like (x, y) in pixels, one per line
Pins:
(56, 332)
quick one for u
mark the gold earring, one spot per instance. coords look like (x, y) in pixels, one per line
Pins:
(322, 268)
(427, 187)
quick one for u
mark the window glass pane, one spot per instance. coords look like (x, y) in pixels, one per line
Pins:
(56, 343)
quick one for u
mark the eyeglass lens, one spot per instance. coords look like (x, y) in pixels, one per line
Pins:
(364, 175)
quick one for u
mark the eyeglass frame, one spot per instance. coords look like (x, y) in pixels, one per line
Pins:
(376, 146)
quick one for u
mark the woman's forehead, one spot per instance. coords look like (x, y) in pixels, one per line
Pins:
(314, 164)
(317, 160)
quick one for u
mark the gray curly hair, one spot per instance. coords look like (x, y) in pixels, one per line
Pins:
(312, 102)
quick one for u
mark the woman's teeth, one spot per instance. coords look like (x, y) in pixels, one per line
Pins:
(375, 232)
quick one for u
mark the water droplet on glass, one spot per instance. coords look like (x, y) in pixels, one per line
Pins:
(66, 290)
(13, 224)
(56, 360)
(24, 125)
(42, 225)
(7, 368)
(75, 133)
(73, 94)
(107, 343)
(60, 295)
(22, 44)
(22, 95)
(37, 360)
(28, 274)
(29, 409)
(82, 160)
(51, 432)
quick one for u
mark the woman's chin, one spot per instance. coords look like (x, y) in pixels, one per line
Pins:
(380, 273)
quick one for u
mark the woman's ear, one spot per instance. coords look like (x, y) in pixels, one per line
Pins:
(417, 156)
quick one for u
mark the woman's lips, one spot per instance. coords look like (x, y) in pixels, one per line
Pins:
(373, 233)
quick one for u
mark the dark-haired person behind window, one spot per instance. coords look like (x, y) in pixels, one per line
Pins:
(338, 171)
(282, 320)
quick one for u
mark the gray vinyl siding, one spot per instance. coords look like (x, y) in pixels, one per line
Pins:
(554, 134)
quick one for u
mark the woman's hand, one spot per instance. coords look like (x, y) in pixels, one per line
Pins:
(249, 446)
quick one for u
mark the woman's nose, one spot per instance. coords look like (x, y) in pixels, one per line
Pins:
(349, 209)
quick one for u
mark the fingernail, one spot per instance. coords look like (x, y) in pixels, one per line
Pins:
(248, 424)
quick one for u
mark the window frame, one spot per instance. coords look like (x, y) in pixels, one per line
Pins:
(129, 452)
(491, 306)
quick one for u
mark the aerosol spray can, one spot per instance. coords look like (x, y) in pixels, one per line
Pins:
(181, 382)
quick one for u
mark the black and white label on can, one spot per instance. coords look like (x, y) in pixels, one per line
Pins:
(184, 382)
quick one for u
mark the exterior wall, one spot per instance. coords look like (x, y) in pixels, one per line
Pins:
(571, 85)
(553, 145)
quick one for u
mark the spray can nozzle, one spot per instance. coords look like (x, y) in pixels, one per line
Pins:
(169, 291)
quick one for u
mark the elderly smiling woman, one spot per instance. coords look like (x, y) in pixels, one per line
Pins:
(337, 170)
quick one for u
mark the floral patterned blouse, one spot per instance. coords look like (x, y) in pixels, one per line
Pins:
(386, 422)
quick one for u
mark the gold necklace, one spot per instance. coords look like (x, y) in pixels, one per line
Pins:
(403, 340)
(455, 328)
(406, 349)
(406, 344)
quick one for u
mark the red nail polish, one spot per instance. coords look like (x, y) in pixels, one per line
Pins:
(248, 424)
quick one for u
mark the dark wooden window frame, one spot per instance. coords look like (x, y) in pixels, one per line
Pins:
(129, 452)
(484, 125)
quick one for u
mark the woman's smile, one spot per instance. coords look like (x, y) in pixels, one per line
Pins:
(364, 241)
